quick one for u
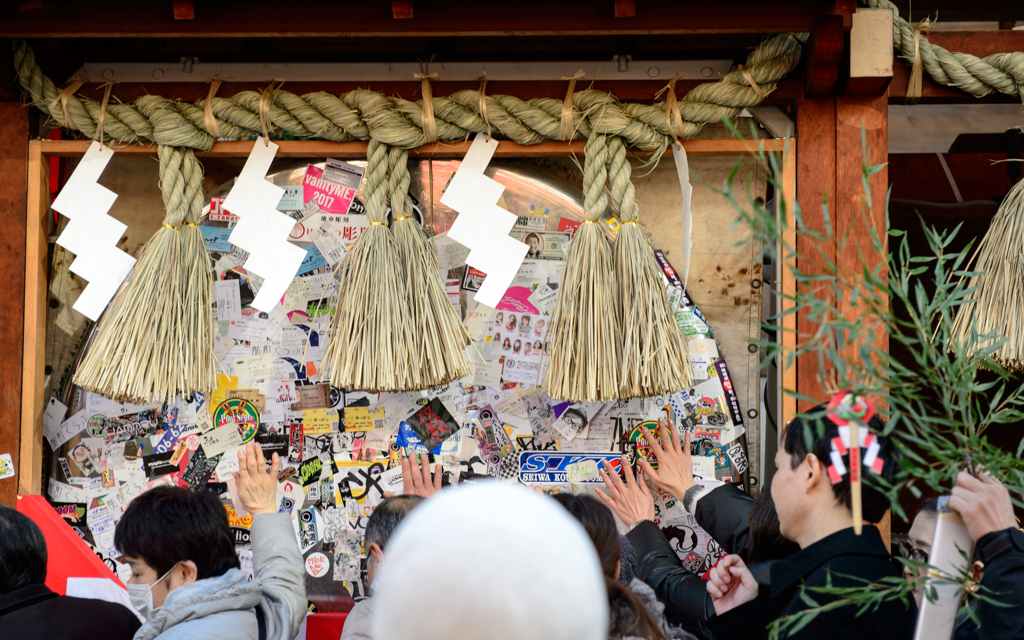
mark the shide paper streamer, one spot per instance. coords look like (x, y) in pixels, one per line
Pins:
(262, 230)
(91, 234)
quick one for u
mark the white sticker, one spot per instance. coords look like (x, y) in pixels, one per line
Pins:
(6, 466)
(220, 440)
(317, 565)
(704, 466)
(738, 457)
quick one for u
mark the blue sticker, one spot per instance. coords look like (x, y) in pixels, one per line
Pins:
(313, 260)
(537, 467)
(216, 238)
(407, 439)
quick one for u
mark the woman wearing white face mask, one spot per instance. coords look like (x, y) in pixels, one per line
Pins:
(186, 578)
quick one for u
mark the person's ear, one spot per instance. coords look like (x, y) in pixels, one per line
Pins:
(189, 572)
(812, 472)
(376, 552)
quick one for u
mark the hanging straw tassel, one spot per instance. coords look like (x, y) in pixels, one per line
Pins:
(197, 282)
(138, 351)
(999, 302)
(655, 358)
(584, 326)
(439, 339)
(371, 348)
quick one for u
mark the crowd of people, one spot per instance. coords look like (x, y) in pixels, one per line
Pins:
(493, 560)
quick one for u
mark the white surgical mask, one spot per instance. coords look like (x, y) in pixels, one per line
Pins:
(141, 595)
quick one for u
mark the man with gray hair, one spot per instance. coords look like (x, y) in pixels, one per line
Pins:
(379, 529)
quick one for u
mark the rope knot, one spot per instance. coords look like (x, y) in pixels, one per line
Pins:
(483, 102)
(566, 130)
(76, 83)
(266, 97)
(429, 126)
(672, 108)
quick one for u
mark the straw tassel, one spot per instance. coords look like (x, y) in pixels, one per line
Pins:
(438, 338)
(149, 344)
(371, 345)
(998, 303)
(655, 358)
(584, 326)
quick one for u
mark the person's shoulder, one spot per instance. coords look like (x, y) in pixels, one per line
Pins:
(359, 621)
(99, 608)
(853, 569)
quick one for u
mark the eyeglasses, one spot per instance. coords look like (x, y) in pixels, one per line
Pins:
(908, 551)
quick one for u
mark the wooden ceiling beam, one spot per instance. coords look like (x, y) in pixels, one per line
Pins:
(439, 19)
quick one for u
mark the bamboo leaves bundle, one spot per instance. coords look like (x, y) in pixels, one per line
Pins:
(584, 326)
(998, 303)
(438, 337)
(139, 349)
(370, 347)
(655, 358)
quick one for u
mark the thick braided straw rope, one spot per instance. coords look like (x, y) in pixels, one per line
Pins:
(999, 72)
(363, 114)
(155, 340)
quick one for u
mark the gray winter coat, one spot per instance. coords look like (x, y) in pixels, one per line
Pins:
(223, 608)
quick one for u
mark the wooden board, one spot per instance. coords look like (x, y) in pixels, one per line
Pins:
(320, 148)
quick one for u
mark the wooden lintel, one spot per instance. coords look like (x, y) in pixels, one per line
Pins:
(625, 8)
(401, 9)
(351, 150)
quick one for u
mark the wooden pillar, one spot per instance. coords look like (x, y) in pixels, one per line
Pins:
(14, 134)
(855, 115)
(816, 188)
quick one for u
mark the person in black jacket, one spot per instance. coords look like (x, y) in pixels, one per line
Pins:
(738, 522)
(28, 610)
(985, 506)
(815, 513)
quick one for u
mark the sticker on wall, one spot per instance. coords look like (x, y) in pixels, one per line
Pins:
(317, 565)
(6, 466)
(240, 412)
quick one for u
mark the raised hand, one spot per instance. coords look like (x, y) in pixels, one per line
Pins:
(731, 584)
(984, 504)
(416, 478)
(675, 468)
(257, 487)
(630, 500)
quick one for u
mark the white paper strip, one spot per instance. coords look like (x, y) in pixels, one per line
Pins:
(482, 225)
(91, 234)
(262, 230)
(686, 216)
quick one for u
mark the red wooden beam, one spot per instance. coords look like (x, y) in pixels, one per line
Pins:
(822, 56)
(625, 9)
(401, 10)
(184, 10)
(329, 19)
(14, 134)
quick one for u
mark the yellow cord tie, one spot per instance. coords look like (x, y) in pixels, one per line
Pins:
(189, 224)
(383, 224)
(402, 218)
(591, 222)
(631, 222)
(170, 227)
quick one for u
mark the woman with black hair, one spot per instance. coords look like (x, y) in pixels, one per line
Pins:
(636, 613)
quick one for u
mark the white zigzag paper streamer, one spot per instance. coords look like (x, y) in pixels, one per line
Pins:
(482, 225)
(91, 234)
(262, 230)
